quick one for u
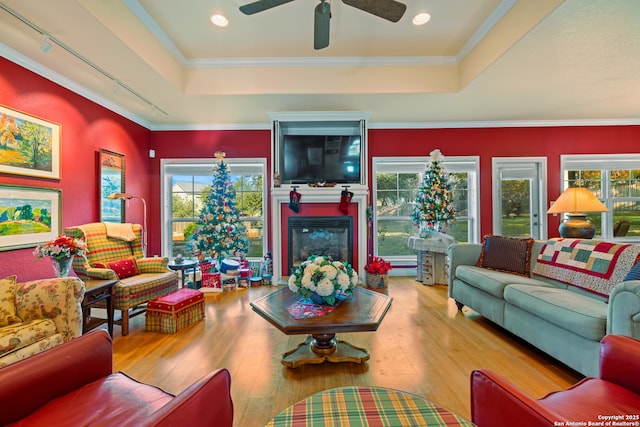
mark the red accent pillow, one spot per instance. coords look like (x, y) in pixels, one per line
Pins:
(507, 254)
(123, 267)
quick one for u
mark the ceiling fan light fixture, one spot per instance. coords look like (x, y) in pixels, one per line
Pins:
(219, 21)
(421, 18)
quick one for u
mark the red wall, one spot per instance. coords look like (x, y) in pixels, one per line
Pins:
(87, 127)
(548, 142)
(203, 144)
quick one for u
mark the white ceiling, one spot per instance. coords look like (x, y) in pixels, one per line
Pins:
(477, 62)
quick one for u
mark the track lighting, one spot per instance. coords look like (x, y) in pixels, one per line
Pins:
(46, 45)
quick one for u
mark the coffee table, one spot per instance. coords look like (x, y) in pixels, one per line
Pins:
(362, 312)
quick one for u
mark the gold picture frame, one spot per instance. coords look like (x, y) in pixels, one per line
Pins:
(29, 216)
(29, 145)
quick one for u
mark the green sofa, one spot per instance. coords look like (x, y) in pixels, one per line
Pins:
(552, 306)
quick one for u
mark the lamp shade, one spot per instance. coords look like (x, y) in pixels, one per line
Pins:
(577, 199)
(574, 201)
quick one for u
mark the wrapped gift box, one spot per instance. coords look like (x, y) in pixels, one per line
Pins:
(211, 282)
(170, 313)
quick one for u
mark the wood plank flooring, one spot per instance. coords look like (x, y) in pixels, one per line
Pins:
(424, 346)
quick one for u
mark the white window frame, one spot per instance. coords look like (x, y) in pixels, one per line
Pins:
(604, 163)
(237, 166)
(536, 164)
(417, 164)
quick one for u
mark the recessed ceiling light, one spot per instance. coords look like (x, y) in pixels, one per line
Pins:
(219, 20)
(421, 18)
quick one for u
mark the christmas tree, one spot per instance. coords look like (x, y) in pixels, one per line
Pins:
(433, 209)
(219, 230)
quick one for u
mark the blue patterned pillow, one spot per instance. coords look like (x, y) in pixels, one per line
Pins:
(634, 273)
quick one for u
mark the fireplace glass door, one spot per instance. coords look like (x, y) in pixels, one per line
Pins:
(320, 235)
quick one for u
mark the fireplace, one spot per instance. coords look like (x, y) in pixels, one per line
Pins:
(317, 202)
(320, 235)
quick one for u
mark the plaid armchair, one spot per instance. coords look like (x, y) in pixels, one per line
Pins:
(153, 280)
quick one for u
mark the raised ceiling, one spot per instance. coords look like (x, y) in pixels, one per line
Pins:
(477, 62)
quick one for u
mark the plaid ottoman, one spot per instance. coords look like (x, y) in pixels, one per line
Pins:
(175, 311)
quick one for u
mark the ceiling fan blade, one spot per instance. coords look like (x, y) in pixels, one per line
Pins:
(321, 25)
(390, 10)
(261, 5)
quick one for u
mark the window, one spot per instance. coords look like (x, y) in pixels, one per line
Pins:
(185, 185)
(395, 184)
(615, 180)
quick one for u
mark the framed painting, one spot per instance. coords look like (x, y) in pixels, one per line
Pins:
(28, 145)
(112, 180)
(29, 216)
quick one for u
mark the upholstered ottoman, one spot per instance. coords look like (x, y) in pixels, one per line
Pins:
(175, 311)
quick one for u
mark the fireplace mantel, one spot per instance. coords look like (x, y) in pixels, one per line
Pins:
(280, 201)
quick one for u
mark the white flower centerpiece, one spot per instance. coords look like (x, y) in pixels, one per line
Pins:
(320, 278)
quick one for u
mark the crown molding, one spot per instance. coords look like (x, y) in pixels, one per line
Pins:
(503, 124)
(31, 65)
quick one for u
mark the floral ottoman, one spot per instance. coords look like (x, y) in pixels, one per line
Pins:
(170, 313)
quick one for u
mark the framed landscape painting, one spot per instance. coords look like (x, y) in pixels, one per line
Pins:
(28, 145)
(112, 179)
(28, 216)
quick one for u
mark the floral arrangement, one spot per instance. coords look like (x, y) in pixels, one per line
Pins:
(324, 277)
(62, 247)
(377, 266)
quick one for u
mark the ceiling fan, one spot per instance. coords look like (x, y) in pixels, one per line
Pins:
(390, 10)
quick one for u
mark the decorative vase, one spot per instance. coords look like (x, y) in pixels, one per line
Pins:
(62, 266)
(377, 281)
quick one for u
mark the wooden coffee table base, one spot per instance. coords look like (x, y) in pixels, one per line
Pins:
(321, 348)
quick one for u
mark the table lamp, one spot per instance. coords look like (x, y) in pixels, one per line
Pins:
(574, 201)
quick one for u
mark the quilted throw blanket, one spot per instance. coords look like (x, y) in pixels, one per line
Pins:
(589, 264)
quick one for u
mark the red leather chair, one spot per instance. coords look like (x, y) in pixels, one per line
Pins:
(497, 403)
(74, 384)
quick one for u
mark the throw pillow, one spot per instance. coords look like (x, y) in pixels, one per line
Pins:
(634, 273)
(8, 301)
(123, 267)
(508, 254)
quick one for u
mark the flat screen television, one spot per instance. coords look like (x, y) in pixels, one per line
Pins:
(320, 158)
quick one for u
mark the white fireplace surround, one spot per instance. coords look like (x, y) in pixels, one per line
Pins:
(280, 201)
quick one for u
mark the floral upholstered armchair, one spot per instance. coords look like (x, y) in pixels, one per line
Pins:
(114, 251)
(38, 315)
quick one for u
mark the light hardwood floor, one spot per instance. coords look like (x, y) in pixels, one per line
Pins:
(424, 346)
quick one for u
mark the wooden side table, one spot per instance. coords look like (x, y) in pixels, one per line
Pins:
(96, 291)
